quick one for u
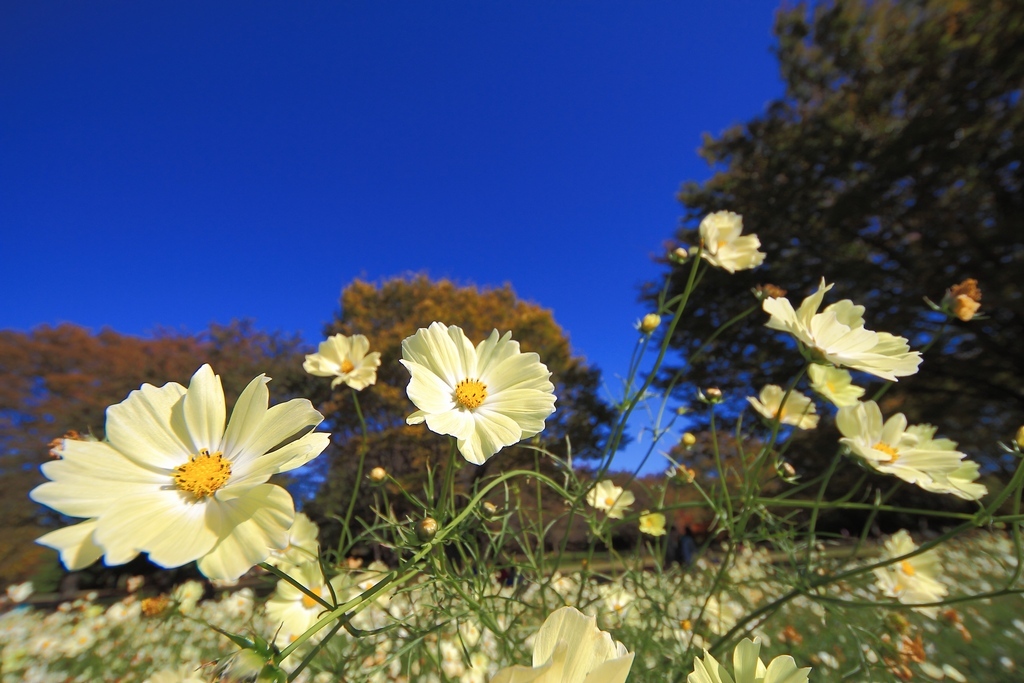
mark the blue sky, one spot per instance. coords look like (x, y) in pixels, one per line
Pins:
(172, 164)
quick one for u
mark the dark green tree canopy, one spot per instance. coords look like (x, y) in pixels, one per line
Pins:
(892, 167)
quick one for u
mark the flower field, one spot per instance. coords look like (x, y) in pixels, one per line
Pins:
(163, 639)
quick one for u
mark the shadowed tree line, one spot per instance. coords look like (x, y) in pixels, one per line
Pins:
(891, 166)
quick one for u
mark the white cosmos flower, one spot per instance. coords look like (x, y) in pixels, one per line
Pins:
(346, 359)
(835, 385)
(291, 612)
(570, 648)
(611, 498)
(837, 335)
(913, 580)
(303, 544)
(747, 667)
(798, 410)
(173, 482)
(487, 397)
(652, 523)
(911, 453)
(724, 247)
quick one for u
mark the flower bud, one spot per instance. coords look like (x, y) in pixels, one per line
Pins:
(1020, 438)
(378, 474)
(710, 395)
(689, 439)
(426, 529)
(490, 510)
(679, 255)
(649, 323)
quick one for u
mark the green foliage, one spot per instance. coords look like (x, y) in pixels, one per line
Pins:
(892, 167)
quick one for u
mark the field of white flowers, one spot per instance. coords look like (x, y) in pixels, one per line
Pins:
(663, 616)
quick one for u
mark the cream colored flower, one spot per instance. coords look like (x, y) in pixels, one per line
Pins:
(837, 335)
(724, 247)
(798, 410)
(747, 667)
(173, 482)
(913, 580)
(605, 495)
(291, 612)
(346, 359)
(487, 397)
(835, 385)
(616, 598)
(570, 648)
(652, 523)
(910, 453)
(303, 543)
(20, 592)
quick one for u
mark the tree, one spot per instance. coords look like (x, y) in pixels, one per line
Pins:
(60, 380)
(388, 312)
(892, 167)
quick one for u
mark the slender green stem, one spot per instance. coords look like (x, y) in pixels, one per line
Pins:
(363, 448)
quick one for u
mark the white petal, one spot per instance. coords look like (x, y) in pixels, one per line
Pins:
(167, 524)
(252, 526)
(246, 417)
(280, 423)
(204, 410)
(149, 426)
(90, 476)
(250, 473)
(75, 544)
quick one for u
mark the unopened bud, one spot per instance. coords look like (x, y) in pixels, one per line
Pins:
(378, 474)
(714, 392)
(426, 529)
(689, 439)
(649, 323)
(1020, 438)
(490, 510)
(679, 255)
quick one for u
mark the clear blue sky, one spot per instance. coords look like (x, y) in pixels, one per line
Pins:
(177, 163)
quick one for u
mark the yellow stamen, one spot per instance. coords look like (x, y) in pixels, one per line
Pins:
(203, 474)
(887, 449)
(346, 366)
(308, 602)
(609, 501)
(907, 568)
(685, 623)
(470, 393)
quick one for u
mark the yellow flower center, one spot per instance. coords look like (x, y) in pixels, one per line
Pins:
(685, 624)
(907, 568)
(470, 393)
(203, 474)
(308, 602)
(887, 449)
(347, 366)
(609, 501)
